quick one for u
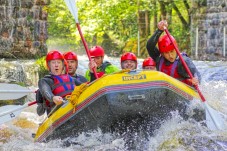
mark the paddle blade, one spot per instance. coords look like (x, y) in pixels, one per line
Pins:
(214, 119)
(8, 116)
(71, 4)
(10, 96)
(13, 91)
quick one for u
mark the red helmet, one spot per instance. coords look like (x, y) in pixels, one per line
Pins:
(149, 62)
(165, 44)
(97, 51)
(54, 55)
(128, 56)
(70, 56)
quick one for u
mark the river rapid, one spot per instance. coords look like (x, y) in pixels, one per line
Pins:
(175, 134)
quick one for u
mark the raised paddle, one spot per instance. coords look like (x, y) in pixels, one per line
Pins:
(13, 91)
(71, 4)
(10, 112)
(214, 119)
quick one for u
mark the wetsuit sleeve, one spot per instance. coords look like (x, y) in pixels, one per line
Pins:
(198, 75)
(151, 45)
(192, 68)
(90, 76)
(82, 78)
(77, 82)
(45, 89)
(87, 75)
(111, 69)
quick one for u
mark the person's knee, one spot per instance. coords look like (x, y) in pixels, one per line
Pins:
(40, 109)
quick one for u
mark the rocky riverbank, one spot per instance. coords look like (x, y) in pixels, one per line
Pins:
(19, 71)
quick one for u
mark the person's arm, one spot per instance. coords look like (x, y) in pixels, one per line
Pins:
(81, 78)
(151, 45)
(198, 75)
(87, 75)
(192, 68)
(90, 76)
(45, 89)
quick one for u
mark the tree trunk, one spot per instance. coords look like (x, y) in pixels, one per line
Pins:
(162, 9)
(169, 13)
(184, 22)
(144, 29)
(155, 16)
(188, 10)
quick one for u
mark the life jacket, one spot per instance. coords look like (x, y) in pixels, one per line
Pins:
(101, 69)
(63, 85)
(171, 69)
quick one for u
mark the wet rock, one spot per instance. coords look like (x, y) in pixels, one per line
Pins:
(19, 71)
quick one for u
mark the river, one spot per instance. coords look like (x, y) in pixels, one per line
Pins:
(175, 134)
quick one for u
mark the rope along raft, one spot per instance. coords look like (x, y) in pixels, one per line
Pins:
(76, 94)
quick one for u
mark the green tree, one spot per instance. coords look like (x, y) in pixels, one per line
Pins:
(114, 24)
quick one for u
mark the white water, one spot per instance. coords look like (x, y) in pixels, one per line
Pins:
(174, 134)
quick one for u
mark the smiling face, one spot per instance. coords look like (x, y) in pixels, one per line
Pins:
(56, 67)
(129, 64)
(170, 55)
(72, 66)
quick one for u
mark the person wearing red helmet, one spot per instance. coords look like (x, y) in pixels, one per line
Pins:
(128, 61)
(72, 62)
(166, 57)
(55, 86)
(149, 64)
(97, 56)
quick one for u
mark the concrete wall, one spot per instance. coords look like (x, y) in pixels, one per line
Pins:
(209, 24)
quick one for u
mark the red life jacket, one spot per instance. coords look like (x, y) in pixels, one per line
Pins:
(171, 70)
(100, 74)
(63, 85)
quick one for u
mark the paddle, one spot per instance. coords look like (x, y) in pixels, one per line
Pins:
(213, 118)
(12, 111)
(13, 91)
(71, 4)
